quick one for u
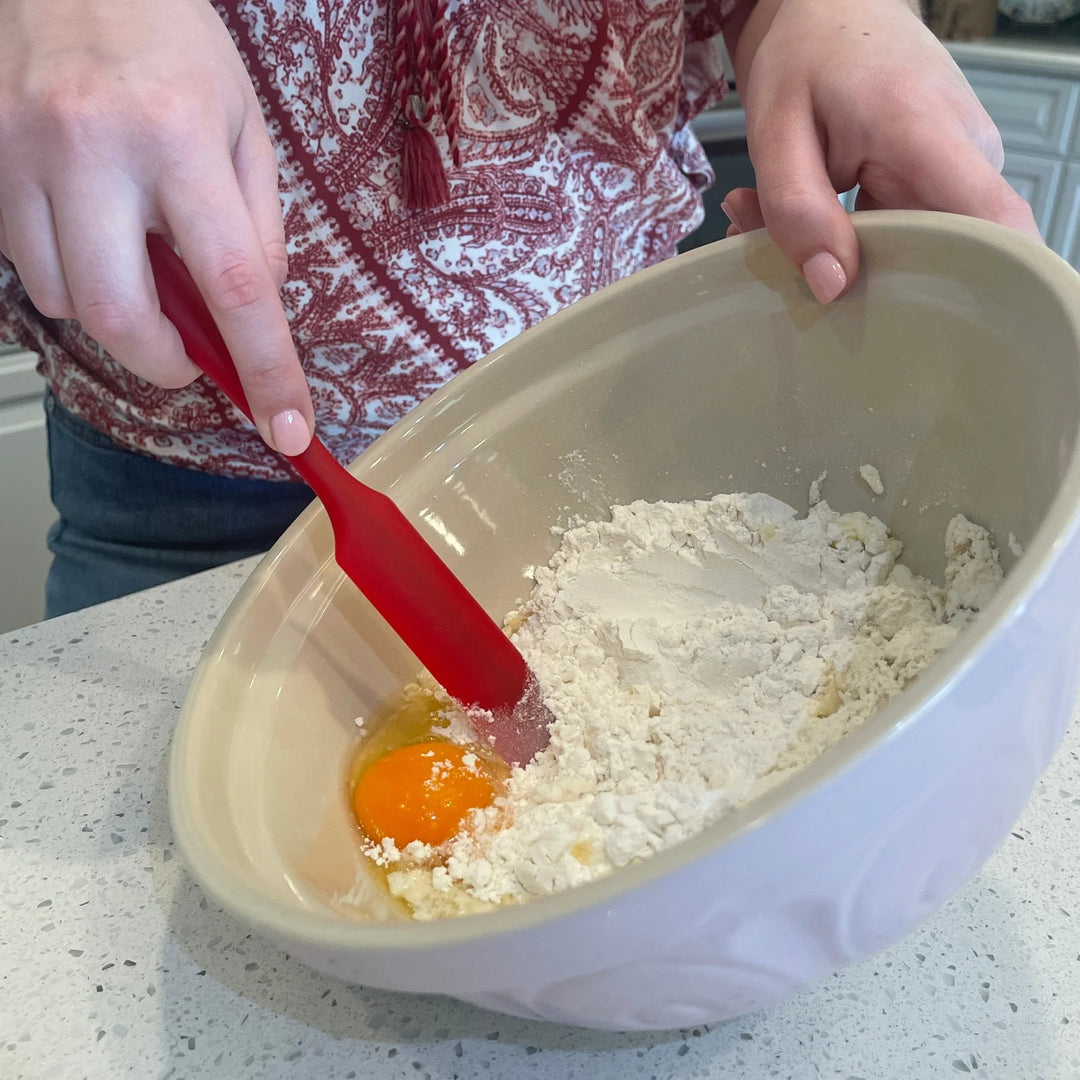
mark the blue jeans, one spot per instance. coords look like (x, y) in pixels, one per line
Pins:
(128, 522)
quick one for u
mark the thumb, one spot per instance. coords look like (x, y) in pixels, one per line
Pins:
(799, 203)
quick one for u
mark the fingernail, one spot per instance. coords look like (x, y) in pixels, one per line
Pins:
(289, 432)
(731, 216)
(825, 276)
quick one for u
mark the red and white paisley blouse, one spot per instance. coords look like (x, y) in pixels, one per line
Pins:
(576, 166)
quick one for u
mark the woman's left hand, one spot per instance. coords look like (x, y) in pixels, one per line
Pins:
(846, 92)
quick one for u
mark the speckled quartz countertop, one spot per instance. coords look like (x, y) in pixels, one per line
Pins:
(113, 963)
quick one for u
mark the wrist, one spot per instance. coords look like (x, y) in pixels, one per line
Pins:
(743, 30)
(731, 26)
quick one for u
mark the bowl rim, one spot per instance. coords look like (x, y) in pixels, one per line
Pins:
(330, 930)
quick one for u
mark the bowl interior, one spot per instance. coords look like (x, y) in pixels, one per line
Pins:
(952, 366)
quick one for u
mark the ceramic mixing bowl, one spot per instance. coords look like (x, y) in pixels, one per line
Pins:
(953, 366)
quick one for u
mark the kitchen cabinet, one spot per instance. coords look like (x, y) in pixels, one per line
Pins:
(1065, 235)
(1032, 93)
(24, 488)
(1032, 112)
(1037, 179)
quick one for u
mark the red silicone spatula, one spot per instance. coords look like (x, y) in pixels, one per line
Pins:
(389, 561)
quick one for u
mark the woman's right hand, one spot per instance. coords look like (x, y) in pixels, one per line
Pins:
(123, 117)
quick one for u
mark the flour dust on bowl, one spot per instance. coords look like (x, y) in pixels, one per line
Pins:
(947, 383)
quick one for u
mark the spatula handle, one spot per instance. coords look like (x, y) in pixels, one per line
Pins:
(183, 305)
(375, 544)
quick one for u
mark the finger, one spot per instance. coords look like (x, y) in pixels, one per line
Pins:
(865, 201)
(986, 138)
(257, 174)
(950, 173)
(30, 244)
(799, 203)
(743, 209)
(102, 240)
(206, 213)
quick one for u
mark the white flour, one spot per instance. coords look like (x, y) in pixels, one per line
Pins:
(872, 478)
(693, 654)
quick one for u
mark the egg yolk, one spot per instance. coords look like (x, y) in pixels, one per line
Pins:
(421, 792)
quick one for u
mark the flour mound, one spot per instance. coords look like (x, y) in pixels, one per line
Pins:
(693, 654)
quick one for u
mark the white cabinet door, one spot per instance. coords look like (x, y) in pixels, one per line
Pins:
(1034, 98)
(1037, 179)
(24, 493)
(1032, 112)
(1064, 236)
